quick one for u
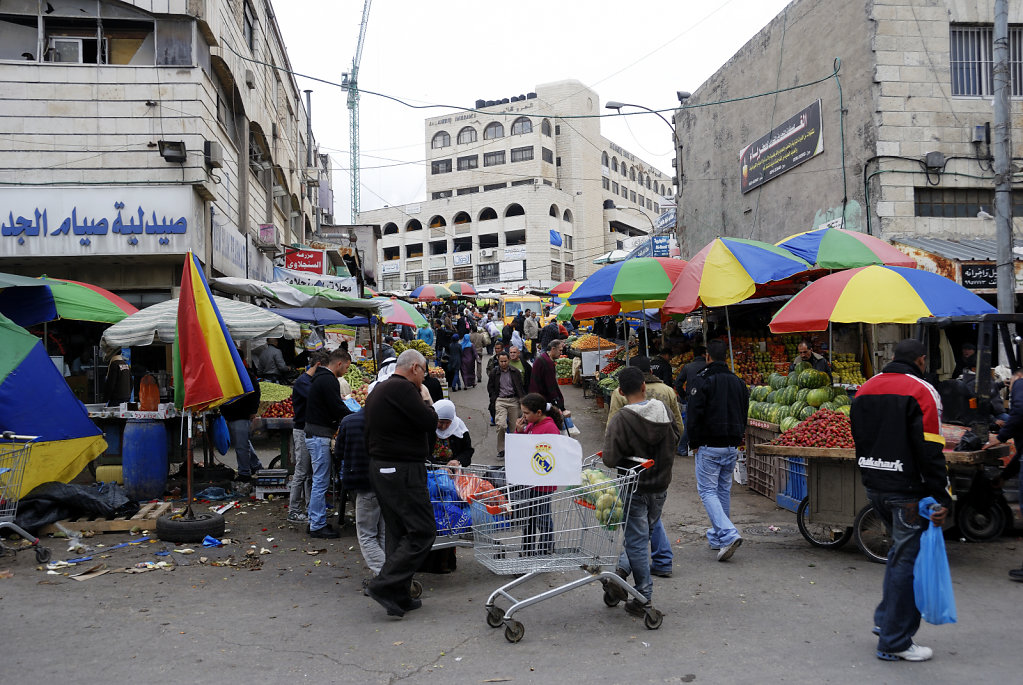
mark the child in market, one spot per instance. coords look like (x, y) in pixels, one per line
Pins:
(538, 417)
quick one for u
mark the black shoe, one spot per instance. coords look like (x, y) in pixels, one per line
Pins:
(661, 573)
(634, 607)
(500, 455)
(327, 533)
(1016, 574)
(411, 605)
(243, 478)
(392, 607)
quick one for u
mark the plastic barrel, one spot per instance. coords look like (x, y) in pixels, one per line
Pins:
(144, 458)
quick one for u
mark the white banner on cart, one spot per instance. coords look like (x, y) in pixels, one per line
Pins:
(543, 460)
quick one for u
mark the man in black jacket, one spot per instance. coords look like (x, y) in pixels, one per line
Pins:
(401, 427)
(1012, 429)
(506, 388)
(716, 423)
(896, 425)
(239, 414)
(324, 411)
(682, 383)
(302, 478)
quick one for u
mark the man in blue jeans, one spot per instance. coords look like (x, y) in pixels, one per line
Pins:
(716, 424)
(324, 411)
(896, 425)
(643, 428)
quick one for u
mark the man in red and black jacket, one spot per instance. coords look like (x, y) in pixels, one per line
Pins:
(896, 425)
(544, 376)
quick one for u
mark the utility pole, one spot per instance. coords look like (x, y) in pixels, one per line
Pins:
(1003, 161)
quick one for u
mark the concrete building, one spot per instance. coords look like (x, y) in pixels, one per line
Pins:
(135, 131)
(510, 180)
(895, 144)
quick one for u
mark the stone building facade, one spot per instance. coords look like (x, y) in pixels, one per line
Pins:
(901, 146)
(508, 180)
(135, 131)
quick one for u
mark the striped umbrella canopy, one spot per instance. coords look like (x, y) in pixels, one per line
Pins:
(36, 400)
(643, 279)
(461, 288)
(208, 370)
(158, 324)
(728, 271)
(431, 292)
(565, 287)
(394, 312)
(30, 301)
(876, 294)
(837, 248)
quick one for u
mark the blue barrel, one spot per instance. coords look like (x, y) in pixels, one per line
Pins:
(144, 458)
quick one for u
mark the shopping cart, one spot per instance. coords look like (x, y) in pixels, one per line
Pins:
(522, 530)
(14, 453)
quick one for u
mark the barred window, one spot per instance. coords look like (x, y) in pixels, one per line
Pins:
(972, 60)
(960, 203)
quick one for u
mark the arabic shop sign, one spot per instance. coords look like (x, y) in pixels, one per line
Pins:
(53, 221)
(785, 147)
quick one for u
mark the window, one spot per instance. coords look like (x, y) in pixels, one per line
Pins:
(545, 128)
(391, 283)
(657, 207)
(494, 186)
(440, 194)
(663, 191)
(567, 240)
(625, 172)
(521, 154)
(547, 155)
(523, 182)
(488, 241)
(493, 130)
(553, 211)
(489, 273)
(468, 191)
(557, 130)
(439, 247)
(604, 160)
(413, 225)
(625, 192)
(441, 166)
(438, 275)
(614, 164)
(413, 250)
(639, 178)
(461, 218)
(648, 183)
(487, 214)
(606, 182)
(971, 60)
(493, 158)
(391, 253)
(614, 187)
(642, 201)
(568, 216)
(440, 139)
(173, 44)
(516, 210)
(249, 25)
(462, 273)
(569, 272)
(632, 195)
(960, 203)
(555, 271)
(390, 228)
(438, 222)
(514, 238)
(521, 126)
(470, 162)
(467, 135)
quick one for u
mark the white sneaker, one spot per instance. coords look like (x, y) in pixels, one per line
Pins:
(726, 552)
(915, 652)
(297, 517)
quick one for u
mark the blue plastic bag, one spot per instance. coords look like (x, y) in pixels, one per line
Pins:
(932, 581)
(221, 435)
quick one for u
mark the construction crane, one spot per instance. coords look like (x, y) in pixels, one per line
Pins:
(350, 82)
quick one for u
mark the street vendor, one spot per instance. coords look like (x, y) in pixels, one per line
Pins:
(806, 354)
(118, 384)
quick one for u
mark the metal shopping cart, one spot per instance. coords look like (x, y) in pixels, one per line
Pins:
(521, 530)
(14, 453)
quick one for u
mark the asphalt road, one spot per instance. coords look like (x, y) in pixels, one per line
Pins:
(779, 611)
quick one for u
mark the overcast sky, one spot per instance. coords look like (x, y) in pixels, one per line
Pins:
(451, 52)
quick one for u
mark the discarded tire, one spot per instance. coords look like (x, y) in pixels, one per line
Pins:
(170, 529)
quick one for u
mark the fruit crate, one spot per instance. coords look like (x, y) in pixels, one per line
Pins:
(790, 481)
(760, 469)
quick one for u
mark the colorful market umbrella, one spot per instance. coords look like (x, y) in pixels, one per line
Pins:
(430, 292)
(36, 400)
(208, 370)
(876, 294)
(30, 301)
(589, 310)
(320, 316)
(461, 288)
(643, 279)
(836, 248)
(728, 271)
(394, 312)
(565, 287)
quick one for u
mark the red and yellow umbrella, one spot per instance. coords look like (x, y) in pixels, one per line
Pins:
(461, 288)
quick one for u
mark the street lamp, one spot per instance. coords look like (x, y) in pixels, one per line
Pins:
(653, 229)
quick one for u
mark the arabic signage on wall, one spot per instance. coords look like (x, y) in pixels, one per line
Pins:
(980, 276)
(313, 261)
(107, 220)
(796, 140)
(347, 286)
(461, 259)
(234, 255)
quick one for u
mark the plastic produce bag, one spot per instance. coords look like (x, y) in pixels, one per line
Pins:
(221, 435)
(474, 489)
(932, 581)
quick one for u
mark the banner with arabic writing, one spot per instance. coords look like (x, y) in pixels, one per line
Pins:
(796, 140)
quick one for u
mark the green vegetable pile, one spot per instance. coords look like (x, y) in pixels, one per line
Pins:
(273, 392)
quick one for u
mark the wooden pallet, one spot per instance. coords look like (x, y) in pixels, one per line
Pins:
(145, 519)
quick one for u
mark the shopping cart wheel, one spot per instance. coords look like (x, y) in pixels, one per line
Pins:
(495, 617)
(611, 599)
(513, 630)
(415, 590)
(653, 619)
(42, 554)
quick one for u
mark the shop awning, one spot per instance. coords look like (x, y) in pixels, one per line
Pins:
(970, 263)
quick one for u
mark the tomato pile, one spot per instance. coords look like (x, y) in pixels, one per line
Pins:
(611, 366)
(280, 410)
(825, 428)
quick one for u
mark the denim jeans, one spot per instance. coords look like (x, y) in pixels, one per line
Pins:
(661, 555)
(369, 527)
(319, 458)
(714, 467)
(897, 615)
(248, 462)
(683, 442)
(301, 479)
(644, 512)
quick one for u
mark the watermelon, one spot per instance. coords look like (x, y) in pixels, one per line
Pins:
(841, 397)
(811, 378)
(776, 413)
(797, 407)
(831, 406)
(844, 409)
(800, 367)
(760, 392)
(792, 380)
(771, 397)
(817, 396)
(807, 412)
(788, 423)
(776, 381)
(801, 394)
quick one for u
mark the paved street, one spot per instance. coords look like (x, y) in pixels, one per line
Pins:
(779, 611)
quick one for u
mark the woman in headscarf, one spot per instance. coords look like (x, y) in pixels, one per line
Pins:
(469, 357)
(453, 448)
(454, 363)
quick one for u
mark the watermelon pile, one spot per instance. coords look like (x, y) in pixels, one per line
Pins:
(787, 400)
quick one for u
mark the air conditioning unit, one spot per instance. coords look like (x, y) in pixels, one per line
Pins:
(405, 285)
(268, 239)
(488, 252)
(214, 154)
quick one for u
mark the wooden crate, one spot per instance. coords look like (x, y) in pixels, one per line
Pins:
(145, 519)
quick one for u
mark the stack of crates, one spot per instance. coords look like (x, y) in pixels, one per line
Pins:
(760, 469)
(790, 482)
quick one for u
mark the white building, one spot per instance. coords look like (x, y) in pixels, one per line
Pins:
(506, 182)
(135, 131)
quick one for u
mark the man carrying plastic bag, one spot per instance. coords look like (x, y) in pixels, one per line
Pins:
(896, 425)
(932, 581)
